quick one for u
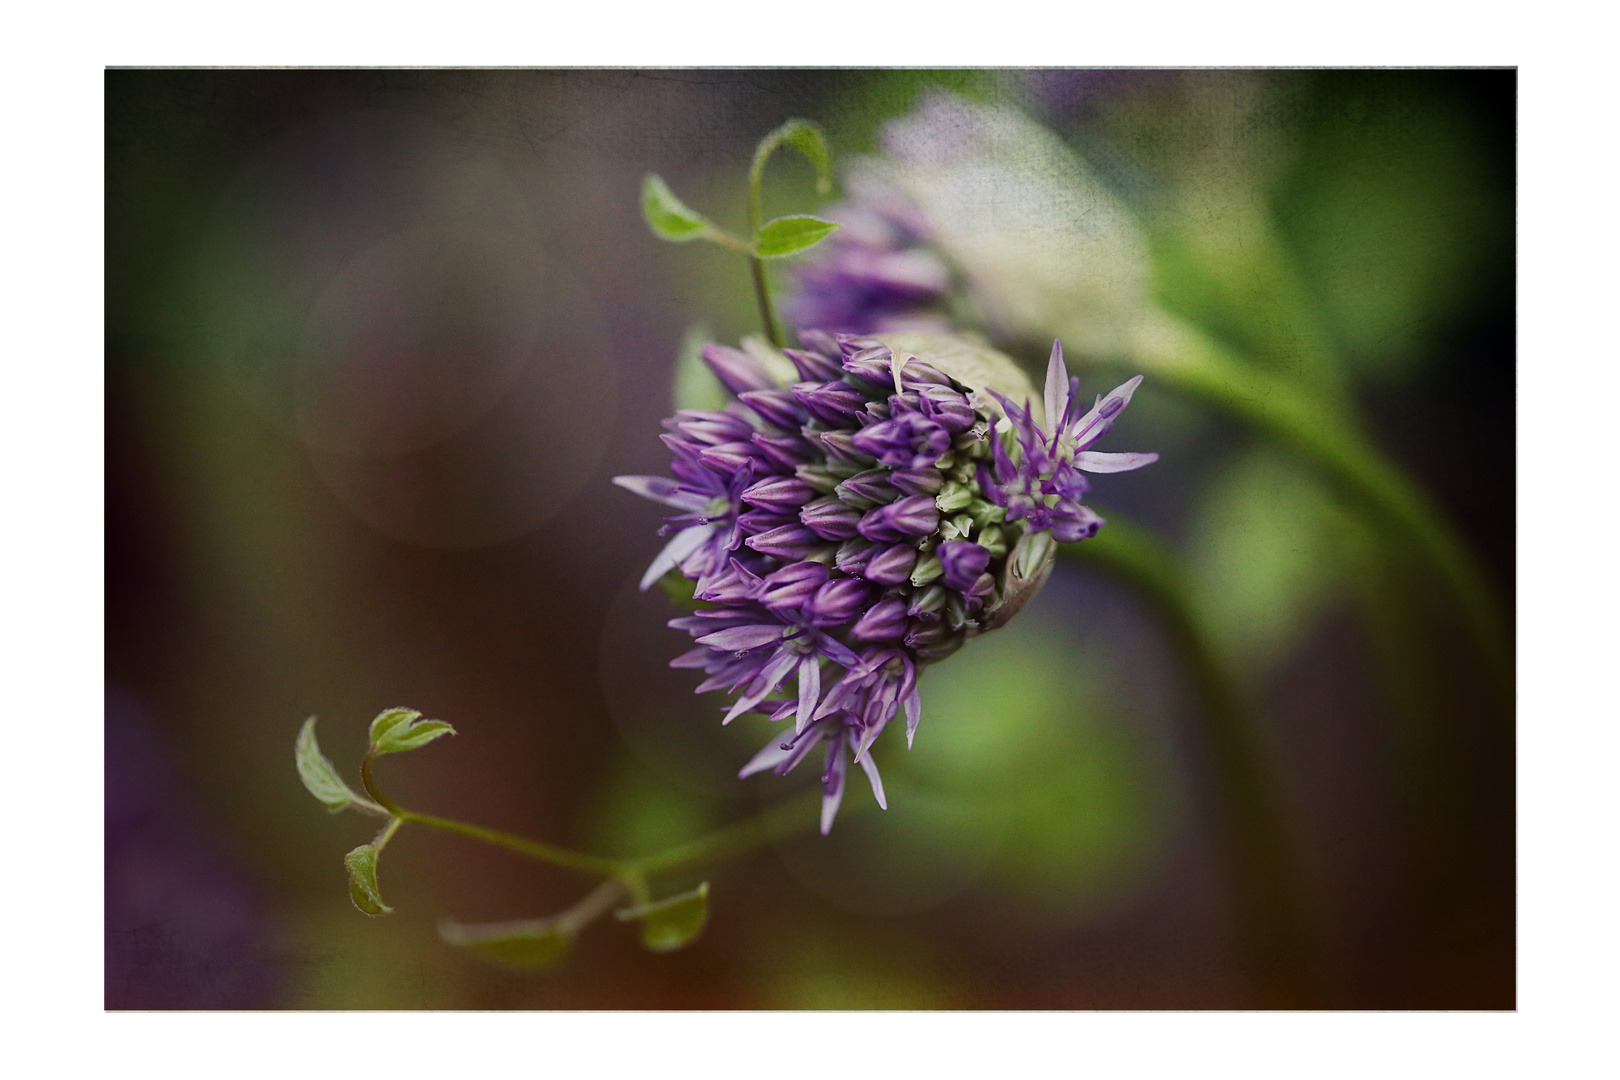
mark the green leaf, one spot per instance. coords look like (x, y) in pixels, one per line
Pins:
(808, 140)
(409, 738)
(397, 730)
(668, 216)
(317, 773)
(671, 923)
(793, 233)
(530, 945)
(362, 865)
(388, 720)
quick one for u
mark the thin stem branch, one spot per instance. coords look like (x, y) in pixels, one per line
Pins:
(534, 849)
(756, 218)
(1252, 820)
(762, 296)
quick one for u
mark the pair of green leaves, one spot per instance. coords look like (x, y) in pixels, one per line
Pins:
(536, 944)
(673, 220)
(394, 731)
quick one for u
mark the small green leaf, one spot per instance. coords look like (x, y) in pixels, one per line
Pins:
(786, 235)
(396, 730)
(673, 922)
(388, 720)
(531, 944)
(808, 140)
(668, 216)
(362, 864)
(410, 738)
(317, 773)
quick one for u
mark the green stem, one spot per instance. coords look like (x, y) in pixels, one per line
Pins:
(762, 295)
(756, 218)
(727, 842)
(1189, 363)
(1258, 848)
(534, 849)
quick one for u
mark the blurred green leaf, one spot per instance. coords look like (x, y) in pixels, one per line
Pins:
(317, 773)
(671, 923)
(670, 218)
(695, 385)
(362, 867)
(1023, 730)
(786, 235)
(528, 945)
(807, 139)
(1264, 556)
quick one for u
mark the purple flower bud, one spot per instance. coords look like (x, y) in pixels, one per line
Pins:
(709, 428)
(927, 635)
(909, 441)
(1071, 522)
(915, 515)
(776, 407)
(947, 408)
(841, 445)
(917, 481)
(963, 562)
(837, 602)
(779, 494)
(792, 586)
(854, 555)
(892, 565)
(873, 365)
(736, 370)
(883, 439)
(884, 621)
(926, 604)
(836, 403)
(758, 521)
(815, 366)
(868, 489)
(787, 542)
(830, 518)
(916, 374)
(728, 458)
(818, 341)
(784, 451)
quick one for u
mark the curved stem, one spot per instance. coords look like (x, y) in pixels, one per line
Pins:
(1189, 363)
(756, 218)
(1252, 826)
(723, 843)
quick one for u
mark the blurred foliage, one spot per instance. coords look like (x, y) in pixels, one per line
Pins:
(1265, 555)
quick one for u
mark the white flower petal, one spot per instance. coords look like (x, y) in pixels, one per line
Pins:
(661, 489)
(1057, 388)
(679, 547)
(1095, 462)
(874, 779)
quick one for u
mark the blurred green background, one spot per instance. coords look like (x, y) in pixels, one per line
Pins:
(378, 340)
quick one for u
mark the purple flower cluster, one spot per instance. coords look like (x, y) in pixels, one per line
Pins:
(846, 530)
(878, 272)
(1044, 487)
